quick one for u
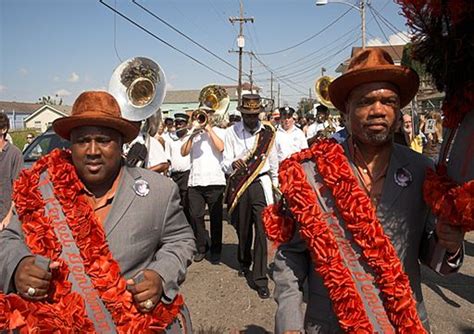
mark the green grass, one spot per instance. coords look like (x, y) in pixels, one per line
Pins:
(19, 136)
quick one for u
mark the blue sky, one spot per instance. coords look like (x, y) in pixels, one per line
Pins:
(64, 47)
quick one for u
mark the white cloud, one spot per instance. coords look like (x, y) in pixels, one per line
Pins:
(23, 71)
(3, 88)
(63, 92)
(74, 77)
(400, 38)
(169, 86)
(374, 42)
(56, 78)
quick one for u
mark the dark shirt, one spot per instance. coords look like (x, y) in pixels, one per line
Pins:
(11, 163)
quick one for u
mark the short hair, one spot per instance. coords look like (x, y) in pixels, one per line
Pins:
(4, 122)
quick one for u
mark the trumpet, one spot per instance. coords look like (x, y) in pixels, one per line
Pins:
(198, 121)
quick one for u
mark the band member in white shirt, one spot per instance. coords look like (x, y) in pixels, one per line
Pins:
(289, 138)
(316, 130)
(206, 185)
(179, 165)
(251, 161)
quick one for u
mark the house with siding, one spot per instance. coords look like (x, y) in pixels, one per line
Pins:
(44, 116)
(17, 112)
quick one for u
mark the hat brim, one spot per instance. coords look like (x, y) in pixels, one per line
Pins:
(250, 111)
(63, 126)
(405, 79)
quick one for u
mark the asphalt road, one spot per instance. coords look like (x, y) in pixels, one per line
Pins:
(222, 302)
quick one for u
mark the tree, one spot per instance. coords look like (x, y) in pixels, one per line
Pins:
(305, 106)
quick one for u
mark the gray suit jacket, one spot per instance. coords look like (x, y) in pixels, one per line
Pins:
(149, 232)
(406, 221)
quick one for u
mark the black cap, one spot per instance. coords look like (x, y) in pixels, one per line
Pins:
(179, 116)
(286, 111)
(322, 108)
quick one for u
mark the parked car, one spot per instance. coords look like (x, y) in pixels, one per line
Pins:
(41, 145)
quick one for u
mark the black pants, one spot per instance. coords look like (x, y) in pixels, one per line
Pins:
(181, 179)
(198, 197)
(246, 215)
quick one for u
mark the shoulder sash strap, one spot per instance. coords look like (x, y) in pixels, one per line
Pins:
(240, 180)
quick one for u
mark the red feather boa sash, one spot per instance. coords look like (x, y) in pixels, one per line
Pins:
(360, 218)
(449, 201)
(64, 311)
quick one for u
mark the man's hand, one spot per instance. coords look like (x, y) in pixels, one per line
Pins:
(150, 289)
(239, 164)
(29, 275)
(449, 236)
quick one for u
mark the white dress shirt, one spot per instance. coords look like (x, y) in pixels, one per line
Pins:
(173, 151)
(315, 127)
(206, 161)
(290, 141)
(156, 153)
(238, 143)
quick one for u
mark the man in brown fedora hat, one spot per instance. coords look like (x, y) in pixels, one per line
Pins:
(89, 227)
(353, 221)
(251, 161)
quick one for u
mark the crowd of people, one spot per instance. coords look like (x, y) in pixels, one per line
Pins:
(122, 215)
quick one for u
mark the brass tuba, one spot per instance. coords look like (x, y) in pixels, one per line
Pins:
(216, 98)
(139, 86)
(321, 87)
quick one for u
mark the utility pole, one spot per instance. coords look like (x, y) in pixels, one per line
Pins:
(251, 54)
(251, 72)
(271, 86)
(240, 43)
(278, 95)
(362, 14)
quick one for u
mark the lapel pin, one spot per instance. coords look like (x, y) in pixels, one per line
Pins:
(141, 187)
(403, 177)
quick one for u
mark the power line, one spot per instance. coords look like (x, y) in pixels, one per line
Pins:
(307, 39)
(383, 32)
(183, 34)
(115, 34)
(284, 82)
(388, 23)
(317, 62)
(302, 59)
(297, 74)
(165, 42)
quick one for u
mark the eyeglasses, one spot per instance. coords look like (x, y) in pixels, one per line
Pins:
(29, 137)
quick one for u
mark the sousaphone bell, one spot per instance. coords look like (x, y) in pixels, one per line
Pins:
(139, 86)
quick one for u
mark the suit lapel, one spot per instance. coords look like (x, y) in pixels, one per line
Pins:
(391, 191)
(123, 199)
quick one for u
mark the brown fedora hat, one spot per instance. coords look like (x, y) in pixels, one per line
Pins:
(96, 109)
(251, 104)
(373, 65)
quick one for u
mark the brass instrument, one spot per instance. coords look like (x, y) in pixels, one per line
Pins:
(139, 86)
(216, 98)
(198, 120)
(321, 87)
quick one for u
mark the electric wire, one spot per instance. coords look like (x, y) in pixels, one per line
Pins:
(383, 33)
(165, 42)
(115, 34)
(387, 23)
(307, 39)
(311, 63)
(184, 35)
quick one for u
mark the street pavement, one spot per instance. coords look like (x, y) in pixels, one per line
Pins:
(222, 302)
